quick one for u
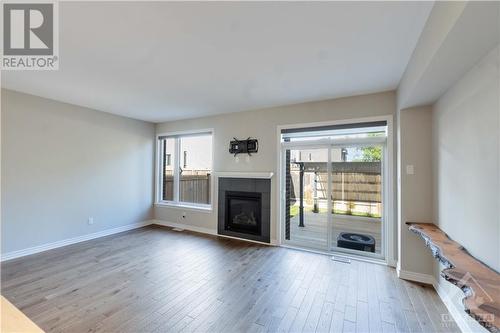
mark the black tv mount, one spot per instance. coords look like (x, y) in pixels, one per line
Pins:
(247, 146)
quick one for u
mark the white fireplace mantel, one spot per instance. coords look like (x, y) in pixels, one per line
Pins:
(242, 174)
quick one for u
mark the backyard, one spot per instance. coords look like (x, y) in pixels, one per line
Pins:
(354, 196)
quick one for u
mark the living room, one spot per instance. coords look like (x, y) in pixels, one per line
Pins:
(251, 166)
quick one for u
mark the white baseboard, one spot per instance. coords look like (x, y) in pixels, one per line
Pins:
(466, 323)
(203, 230)
(74, 240)
(189, 227)
(454, 312)
(417, 277)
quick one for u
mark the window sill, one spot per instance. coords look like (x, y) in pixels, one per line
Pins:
(202, 208)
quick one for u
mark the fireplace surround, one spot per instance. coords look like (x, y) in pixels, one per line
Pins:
(244, 209)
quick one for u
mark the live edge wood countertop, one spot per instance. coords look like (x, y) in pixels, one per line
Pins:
(480, 283)
(14, 321)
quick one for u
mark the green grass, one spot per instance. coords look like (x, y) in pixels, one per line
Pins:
(294, 210)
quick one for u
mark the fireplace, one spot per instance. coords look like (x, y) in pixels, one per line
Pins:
(244, 209)
(243, 212)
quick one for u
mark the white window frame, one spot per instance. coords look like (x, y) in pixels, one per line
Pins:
(176, 160)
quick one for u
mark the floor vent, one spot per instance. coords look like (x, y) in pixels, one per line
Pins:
(177, 229)
(341, 259)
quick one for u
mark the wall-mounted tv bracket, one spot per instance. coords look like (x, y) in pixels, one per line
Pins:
(247, 146)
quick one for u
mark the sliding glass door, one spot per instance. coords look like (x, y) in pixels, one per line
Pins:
(333, 189)
(356, 195)
(307, 199)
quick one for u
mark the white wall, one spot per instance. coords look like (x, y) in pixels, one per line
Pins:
(415, 190)
(456, 36)
(62, 163)
(466, 168)
(466, 161)
(262, 124)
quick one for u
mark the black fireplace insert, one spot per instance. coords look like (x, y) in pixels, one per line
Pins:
(243, 212)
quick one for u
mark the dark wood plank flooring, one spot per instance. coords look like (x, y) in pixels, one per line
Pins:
(157, 280)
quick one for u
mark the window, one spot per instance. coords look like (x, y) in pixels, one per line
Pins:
(185, 164)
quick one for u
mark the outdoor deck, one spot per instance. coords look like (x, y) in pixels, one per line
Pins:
(314, 233)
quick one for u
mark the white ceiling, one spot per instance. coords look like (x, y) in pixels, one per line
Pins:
(159, 61)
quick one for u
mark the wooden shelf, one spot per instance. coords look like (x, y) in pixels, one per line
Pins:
(480, 283)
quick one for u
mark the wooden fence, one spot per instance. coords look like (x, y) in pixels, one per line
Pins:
(194, 187)
(352, 181)
(365, 187)
(352, 193)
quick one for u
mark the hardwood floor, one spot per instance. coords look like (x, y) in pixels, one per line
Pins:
(156, 280)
